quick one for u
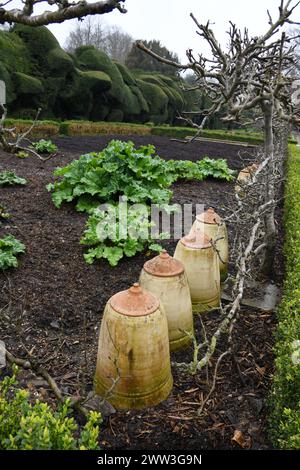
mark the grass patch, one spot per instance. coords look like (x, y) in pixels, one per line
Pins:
(250, 137)
(285, 396)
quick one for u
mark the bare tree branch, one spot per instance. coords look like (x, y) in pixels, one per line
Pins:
(65, 11)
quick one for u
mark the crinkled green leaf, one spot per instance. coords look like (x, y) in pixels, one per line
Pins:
(9, 248)
(10, 178)
(86, 203)
(155, 247)
(45, 146)
(93, 253)
(113, 254)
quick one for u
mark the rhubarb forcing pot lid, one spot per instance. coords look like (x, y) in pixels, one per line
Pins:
(134, 302)
(209, 217)
(164, 265)
(251, 168)
(196, 239)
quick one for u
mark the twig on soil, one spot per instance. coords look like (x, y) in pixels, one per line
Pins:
(37, 369)
(199, 412)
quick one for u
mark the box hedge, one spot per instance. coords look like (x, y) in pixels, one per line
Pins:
(285, 397)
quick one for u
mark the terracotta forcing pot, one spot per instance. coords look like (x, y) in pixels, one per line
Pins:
(133, 351)
(202, 268)
(165, 277)
(244, 177)
(214, 227)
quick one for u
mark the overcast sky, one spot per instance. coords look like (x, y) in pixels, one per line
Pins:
(169, 20)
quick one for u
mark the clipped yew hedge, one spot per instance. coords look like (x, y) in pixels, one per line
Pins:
(89, 58)
(285, 397)
(86, 85)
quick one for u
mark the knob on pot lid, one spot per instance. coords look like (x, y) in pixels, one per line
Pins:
(209, 217)
(196, 239)
(164, 265)
(251, 168)
(134, 302)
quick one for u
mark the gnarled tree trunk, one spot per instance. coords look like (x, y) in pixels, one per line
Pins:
(270, 227)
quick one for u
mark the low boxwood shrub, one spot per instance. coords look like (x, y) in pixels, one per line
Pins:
(285, 396)
(33, 425)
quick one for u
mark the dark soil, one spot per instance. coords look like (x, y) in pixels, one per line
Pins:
(51, 308)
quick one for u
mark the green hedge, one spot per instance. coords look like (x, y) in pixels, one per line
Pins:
(29, 424)
(81, 127)
(157, 101)
(90, 58)
(85, 85)
(222, 134)
(285, 397)
(128, 78)
(95, 80)
(13, 53)
(93, 128)
(27, 85)
(59, 60)
(237, 135)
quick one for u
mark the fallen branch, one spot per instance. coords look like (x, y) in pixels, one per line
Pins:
(38, 370)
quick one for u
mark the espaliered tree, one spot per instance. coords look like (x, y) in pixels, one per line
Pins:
(63, 10)
(251, 74)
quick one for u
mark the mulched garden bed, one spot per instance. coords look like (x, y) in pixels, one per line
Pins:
(52, 305)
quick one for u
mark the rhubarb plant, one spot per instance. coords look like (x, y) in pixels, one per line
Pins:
(122, 171)
(10, 247)
(109, 238)
(10, 178)
(217, 169)
(45, 146)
